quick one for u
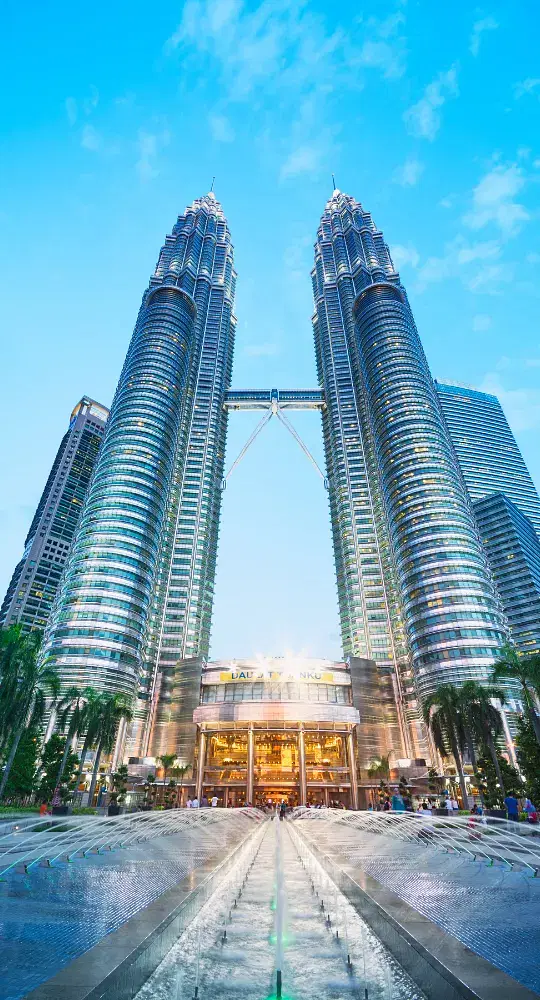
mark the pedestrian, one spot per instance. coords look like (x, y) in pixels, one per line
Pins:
(195, 803)
(512, 807)
(214, 801)
(532, 813)
(189, 803)
(204, 801)
(455, 805)
(398, 804)
(44, 808)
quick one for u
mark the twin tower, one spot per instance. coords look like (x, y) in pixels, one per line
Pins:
(416, 598)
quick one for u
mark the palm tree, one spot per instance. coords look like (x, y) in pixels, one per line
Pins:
(166, 760)
(525, 670)
(180, 771)
(72, 711)
(90, 727)
(27, 681)
(112, 709)
(482, 720)
(444, 717)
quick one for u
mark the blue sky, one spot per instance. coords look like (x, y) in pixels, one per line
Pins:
(117, 115)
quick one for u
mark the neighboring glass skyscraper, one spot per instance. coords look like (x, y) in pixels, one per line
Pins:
(412, 573)
(488, 454)
(513, 550)
(34, 583)
(137, 590)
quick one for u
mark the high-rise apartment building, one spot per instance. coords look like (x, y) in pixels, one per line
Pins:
(513, 549)
(138, 588)
(34, 583)
(413, 580)
(488, 454)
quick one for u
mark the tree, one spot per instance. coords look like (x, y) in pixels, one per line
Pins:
(166, 760)
(525, 669)
(528, 755)
(149, 790)
(22, 777)
(119, 785)
(72, 711)
(90, 728)
(180, 771)
(443, 715)
(27, 681)
(493, 789)
(51, 757)
(379, 767)
(109, 712)
(482, 722)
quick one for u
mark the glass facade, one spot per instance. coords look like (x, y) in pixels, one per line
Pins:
(490, 459)
(135, 559)
(513, 550)
(34, 584)
(406, 543)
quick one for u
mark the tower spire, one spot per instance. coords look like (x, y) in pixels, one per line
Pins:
(212, 185)
(334, 183)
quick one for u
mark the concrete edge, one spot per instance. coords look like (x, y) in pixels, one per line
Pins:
(118, 966)
(442, 966)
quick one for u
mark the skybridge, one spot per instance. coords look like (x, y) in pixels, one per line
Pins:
(275, 403)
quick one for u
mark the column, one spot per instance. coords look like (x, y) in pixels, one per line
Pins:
(351, 758)
(200, 765)
(250, 764)
(302, 766)
(118, 751)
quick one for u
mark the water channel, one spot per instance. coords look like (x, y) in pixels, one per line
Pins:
(277, 926)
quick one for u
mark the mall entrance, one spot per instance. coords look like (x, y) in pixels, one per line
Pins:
(261, 763)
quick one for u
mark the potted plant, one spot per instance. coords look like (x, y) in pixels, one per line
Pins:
(118, 793)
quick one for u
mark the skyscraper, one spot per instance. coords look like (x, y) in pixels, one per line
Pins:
(34, 583)
(138, 587)
(488, 454)
(513, 550)
(412, 573)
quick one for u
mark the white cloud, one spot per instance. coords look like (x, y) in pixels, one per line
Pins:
(91, 102)
(494, 200)
(297, 257)
(149, 145)
(423, 119)
(521, 406)
(472, 264)
(71, 110)
(489, 278)
(479, 27)
(528, 86)
(304, 160)
(91, 139)
(220, 128)
(281, 54)
(404, 256)
(447, 202)
(481, 323)
(265, 350)
(409, 173)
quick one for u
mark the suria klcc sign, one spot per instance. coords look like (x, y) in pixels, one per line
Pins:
(306, 676)
(304, 670)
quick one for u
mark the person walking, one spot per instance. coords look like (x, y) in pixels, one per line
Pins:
(214, 801)
(195, 803)
(189, 803)
(512, 807)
